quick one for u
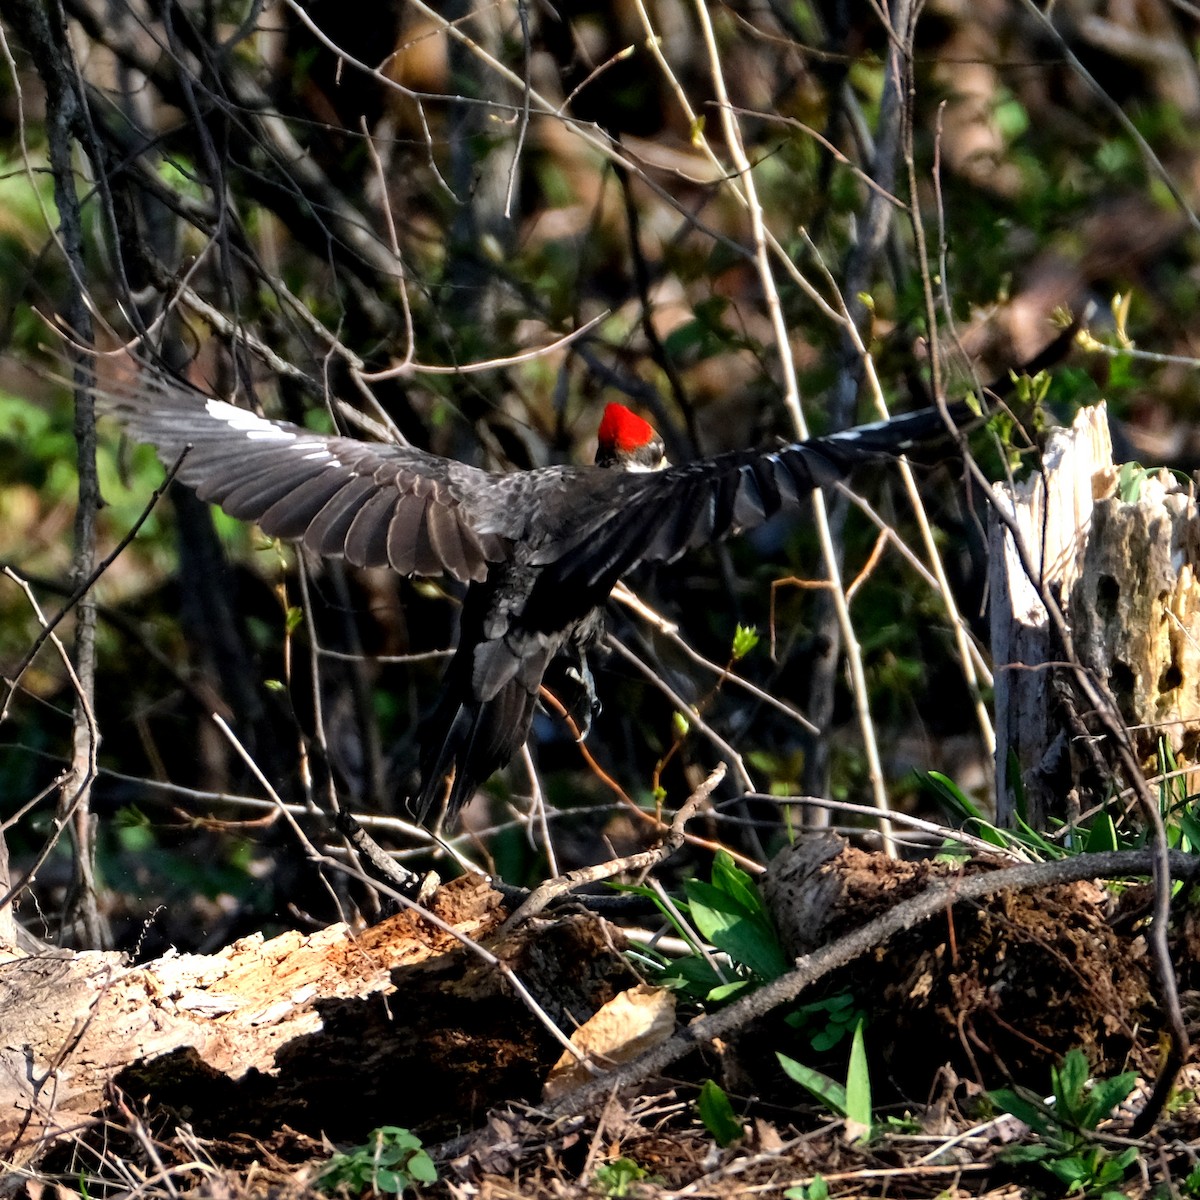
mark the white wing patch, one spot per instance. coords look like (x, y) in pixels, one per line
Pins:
(253, 426)
(258, 429)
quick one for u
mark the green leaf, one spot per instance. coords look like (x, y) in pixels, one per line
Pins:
(1130, 477)
(1031, 1112)
(726, 991)
(828, 1091)
(745, 638)
(1105, 1095)
(716, 1112)
(1009, 116)
(1190, 827)
(747, 937)
(389, 1162)
(827, 1038)
(827, 1021)
(614, 1178)
(422, 1168)
(1072, 1171)
(1068, 1080)
(956, 801)
(1015, 784)
(858, 1081)
(1035, 841)
(385, 1180)
(734, 882)
(692, 975)
(705, 335)
(1027, 1154)
(818, 1189)
(1101, 836)
(992, 835)
(1032, 390)
(668, 912)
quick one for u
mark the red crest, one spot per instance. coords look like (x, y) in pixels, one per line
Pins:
(624, 431)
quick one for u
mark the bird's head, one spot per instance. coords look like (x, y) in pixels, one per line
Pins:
(627, 442)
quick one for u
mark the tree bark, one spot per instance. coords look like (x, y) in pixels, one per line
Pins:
(1052, 510)
(1122, 563)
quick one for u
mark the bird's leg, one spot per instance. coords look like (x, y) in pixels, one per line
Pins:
(587, 706)
(570, 681)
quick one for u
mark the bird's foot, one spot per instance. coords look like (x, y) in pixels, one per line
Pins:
(586, 706)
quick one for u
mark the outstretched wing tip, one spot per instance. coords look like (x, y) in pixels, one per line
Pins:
(338, 497)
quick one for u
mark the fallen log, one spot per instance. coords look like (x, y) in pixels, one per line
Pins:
(331, 1033)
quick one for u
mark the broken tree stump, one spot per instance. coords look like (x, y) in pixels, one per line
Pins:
(1122, 568)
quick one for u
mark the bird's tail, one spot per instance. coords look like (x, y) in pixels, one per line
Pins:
(464, 742)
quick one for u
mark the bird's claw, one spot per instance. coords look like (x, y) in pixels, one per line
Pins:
(587, 707)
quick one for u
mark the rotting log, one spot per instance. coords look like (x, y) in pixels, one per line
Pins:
(332, 1032)
(995, 990)
(1123, 571)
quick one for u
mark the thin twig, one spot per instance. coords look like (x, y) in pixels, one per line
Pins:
(474, 947)
(625, 595)
(69, 804)
(549, 891)
(734, 759)
(829, 550)
(627, 801)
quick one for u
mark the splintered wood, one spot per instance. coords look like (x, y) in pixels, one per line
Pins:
(70, 1022)
(1122, 569)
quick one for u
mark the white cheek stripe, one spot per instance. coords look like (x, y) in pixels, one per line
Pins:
(643, 469)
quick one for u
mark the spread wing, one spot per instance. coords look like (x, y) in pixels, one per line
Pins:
(378, 504)
(658, 516)
(373, 503)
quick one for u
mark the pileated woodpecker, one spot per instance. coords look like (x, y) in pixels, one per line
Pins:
(540, 550)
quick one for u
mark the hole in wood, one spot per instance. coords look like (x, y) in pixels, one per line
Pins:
(1171, 678)
(1108, 592)
(1121, 679)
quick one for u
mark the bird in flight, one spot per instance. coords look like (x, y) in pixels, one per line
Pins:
(539, 550)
